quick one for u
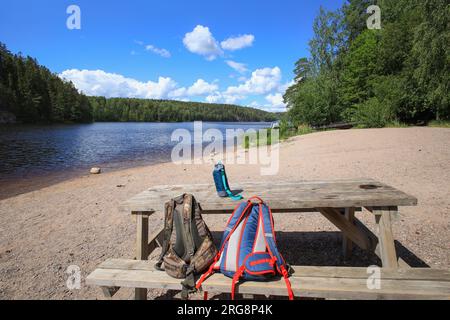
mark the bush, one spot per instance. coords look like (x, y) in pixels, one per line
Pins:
(304, 129)
(371, 114)
(314, 102)
(259, 139)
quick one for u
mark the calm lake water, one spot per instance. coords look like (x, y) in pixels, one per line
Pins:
(37, 151)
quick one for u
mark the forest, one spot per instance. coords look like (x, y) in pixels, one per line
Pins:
(144, 110)
(33, 94)
(399, 73)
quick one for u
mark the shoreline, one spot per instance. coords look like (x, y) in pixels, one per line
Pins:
(16, 186)
(17, 183)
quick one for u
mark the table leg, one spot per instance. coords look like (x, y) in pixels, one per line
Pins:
(347, 243)
(350, 230)
(141, 249)
(386, 242)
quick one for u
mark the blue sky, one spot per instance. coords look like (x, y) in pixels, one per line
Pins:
(239, 52)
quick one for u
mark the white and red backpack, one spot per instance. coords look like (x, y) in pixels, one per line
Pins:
(249, 250)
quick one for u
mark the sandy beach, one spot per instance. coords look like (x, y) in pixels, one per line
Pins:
(77, 222)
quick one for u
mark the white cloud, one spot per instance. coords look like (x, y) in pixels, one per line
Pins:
(178, 94)
(202, 87)
(276, 102)
(202, 42)
(263, 84)
(262, 81)
(254, 104)
(214, 98)
(199, 88)
(239, 67)
(282, 89)
(162, 52)
(219, 97)
(265, 81)
(101, 83)
(236, 43)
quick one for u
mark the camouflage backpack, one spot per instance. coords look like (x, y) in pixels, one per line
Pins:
(189, 250)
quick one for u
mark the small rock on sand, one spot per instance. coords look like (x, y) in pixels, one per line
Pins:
(96, 171)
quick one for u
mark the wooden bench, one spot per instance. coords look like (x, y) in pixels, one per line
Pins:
(338, 201)
(307, 282)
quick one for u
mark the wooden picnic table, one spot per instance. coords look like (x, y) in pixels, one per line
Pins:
(336, 200)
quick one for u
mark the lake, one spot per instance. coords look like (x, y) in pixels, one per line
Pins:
(56, 152)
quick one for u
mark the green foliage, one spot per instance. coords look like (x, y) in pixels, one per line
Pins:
(354, 15)
(370, 114)
(259, 141)
(33, 94)
(392, 76)
(359, 68)
(328, 40)
(304, 129)
(287, 129)
(396, 124)
(315, 102)
(439, 124)
(430, 57)
(142, 110)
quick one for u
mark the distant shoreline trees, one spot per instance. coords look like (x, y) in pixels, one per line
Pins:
(33, 94)
(144, 110)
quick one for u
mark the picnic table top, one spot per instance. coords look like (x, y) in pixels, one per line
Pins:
(280, 196)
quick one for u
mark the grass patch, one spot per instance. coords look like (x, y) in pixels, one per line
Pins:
(285, 133)
(396, 124)
(439, 124)
(304, 129)
(257, 140)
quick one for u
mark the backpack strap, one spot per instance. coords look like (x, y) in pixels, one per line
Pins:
(168, 228)
(232, 224)
(188, 200)
(269, 235)
(189, 282)
(235, 280)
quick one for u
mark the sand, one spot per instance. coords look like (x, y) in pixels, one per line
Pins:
(77, 222)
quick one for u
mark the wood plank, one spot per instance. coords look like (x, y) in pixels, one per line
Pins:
(142, 238)
(323, 287)
(374, 244)
(388, 253)
(348, 228)
(141, 250)
(309, 271)
(156, 240)
(109, 292)
(281, 196)
(347, 244)
(371, 242)
(361, 273)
